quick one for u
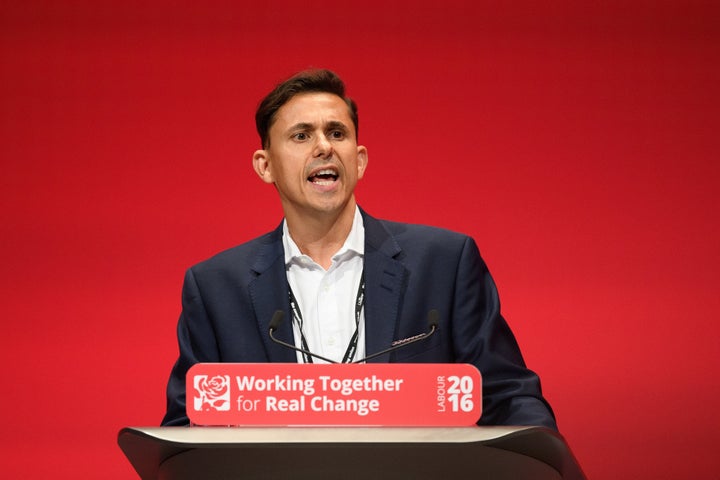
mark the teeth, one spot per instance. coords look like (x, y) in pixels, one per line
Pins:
(326, 172)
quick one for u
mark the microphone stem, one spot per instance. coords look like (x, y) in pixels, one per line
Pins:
(399, 344)
(293, 347)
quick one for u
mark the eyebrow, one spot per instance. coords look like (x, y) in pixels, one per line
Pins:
(301, 126)
(334, 124)
(331, 125)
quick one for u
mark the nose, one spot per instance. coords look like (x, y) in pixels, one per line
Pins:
(323, 147)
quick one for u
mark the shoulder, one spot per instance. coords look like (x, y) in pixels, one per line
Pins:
(420, 239)
(412, 232)
(244, 256)
(425, 232)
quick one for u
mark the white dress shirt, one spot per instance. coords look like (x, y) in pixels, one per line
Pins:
(326, 298)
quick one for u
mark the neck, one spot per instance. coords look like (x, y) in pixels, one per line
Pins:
(321, 236)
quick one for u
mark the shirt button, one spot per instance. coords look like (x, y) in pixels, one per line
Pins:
(331, 341)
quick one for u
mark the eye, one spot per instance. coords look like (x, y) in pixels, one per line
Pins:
(337, 134)
(300, 136)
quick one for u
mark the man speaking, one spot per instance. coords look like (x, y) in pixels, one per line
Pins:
(349, 284)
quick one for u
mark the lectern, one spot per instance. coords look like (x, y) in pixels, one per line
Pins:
(362, 453)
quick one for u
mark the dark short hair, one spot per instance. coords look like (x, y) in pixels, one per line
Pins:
(307, 81)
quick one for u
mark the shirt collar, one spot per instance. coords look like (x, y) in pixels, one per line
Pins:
(354, 243)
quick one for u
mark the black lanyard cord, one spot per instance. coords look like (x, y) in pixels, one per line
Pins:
(352, 346)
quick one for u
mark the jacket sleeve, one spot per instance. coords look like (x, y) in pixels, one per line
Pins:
(481, 336)
(196, 343)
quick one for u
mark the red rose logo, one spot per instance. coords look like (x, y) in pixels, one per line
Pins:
(214, 393)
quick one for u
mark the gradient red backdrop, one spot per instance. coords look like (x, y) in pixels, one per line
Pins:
(576, 141)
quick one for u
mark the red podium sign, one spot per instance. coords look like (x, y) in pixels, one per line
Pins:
(291, 394)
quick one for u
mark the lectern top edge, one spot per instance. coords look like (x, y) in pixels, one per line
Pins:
(200, 436)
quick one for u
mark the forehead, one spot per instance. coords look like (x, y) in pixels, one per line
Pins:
(315, 108)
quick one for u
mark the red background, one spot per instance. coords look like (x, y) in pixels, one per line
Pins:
(576, 141)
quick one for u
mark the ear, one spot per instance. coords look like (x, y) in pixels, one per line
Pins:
(261, 164)
(362, 160)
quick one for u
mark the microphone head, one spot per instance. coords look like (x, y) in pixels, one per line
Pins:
(277, 318)
(433, 319)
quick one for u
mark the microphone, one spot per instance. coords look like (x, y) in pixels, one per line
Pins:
(433, 321)
(275, 321)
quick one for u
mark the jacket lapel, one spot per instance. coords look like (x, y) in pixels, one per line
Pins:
(385, 278)
(268, 292)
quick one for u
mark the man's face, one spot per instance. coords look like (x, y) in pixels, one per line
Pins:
(313, 157)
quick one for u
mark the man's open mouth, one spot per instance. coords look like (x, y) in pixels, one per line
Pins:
(325, 176)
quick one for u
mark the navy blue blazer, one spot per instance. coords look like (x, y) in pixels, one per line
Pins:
(229, 300)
